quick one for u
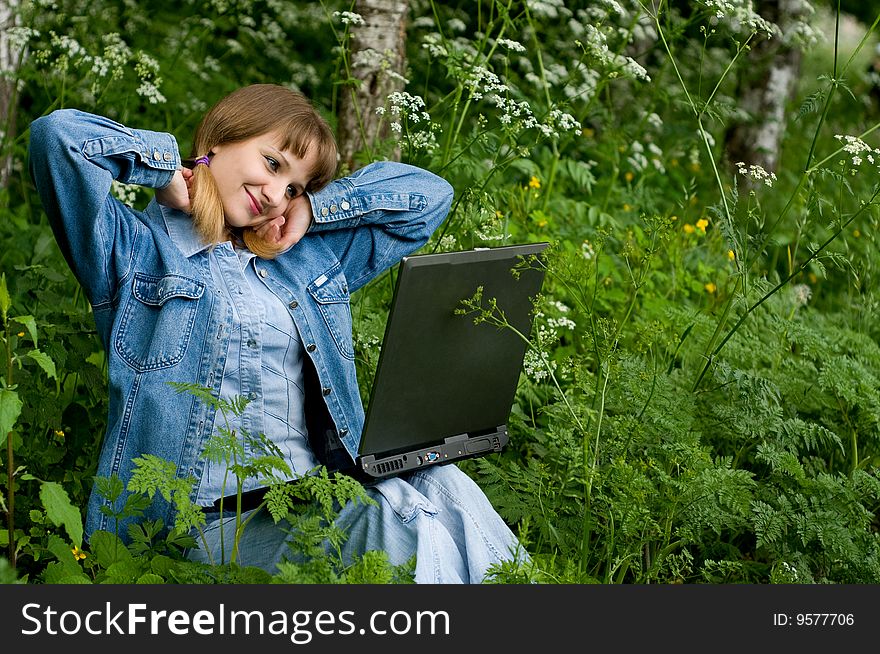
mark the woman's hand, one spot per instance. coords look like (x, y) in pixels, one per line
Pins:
(177, 194)
(287, 229)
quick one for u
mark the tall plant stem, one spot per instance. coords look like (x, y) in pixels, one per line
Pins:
(10, 465)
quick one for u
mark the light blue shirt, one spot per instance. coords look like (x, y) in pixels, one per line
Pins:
(263, 364)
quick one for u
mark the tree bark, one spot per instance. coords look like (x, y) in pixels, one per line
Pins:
(378, 60)
(766, 89)
(9, 63)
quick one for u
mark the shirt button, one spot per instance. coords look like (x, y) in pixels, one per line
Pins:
(325, 211)
(252, 343)
(333, 208)
(325, 391)
(157, 155)
(252, 396)
(263, 272)
(167, 156)
(311, 347)
(293, 305)
(345, 205)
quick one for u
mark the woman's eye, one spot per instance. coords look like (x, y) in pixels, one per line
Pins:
(292, 191)
(272, 163)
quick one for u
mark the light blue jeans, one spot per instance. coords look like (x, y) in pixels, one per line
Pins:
(439, 515)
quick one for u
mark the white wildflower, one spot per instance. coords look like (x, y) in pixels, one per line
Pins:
(587, 250)
(349, 18)
(513, 46)
(126, 193)
(802, 294)
(756, 173)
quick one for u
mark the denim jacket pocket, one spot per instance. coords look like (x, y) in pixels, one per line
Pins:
(330, 292)
(157, 321)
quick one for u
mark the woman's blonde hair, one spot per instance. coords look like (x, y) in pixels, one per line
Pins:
(243, 114)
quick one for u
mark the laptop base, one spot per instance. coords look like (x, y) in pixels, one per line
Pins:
(461, 446)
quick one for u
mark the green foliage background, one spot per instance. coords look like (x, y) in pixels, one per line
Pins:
(700, 398)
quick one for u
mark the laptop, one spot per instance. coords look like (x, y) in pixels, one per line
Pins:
(444, 386)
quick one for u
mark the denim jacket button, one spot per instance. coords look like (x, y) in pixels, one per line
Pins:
(157, 155)
(167, 156)
(345, 205)
(343, 432)
(263, 272)
(325, 211)
(252, 396)
(326, 390)
(311, 347)
(333, 208)
(293, 305)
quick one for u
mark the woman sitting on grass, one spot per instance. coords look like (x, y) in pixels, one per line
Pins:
(237, 278)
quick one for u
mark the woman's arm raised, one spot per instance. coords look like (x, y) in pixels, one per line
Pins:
(377, 215)
(74, 158)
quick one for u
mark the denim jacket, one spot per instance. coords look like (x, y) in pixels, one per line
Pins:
(159, 315)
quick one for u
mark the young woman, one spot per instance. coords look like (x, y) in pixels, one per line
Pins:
(237, 277)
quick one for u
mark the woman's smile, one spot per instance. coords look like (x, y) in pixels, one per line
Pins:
(256, 208)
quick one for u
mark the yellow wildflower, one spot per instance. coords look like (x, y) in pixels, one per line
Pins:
(731, 255)
(710, 287)
(78, 554)
(702, 223)
(628, 176)
(534, 182)
(626, 207)
(856, 233)
(59, 433)
(673, 218)
(688, 228)
(498, 214)
(20, 334)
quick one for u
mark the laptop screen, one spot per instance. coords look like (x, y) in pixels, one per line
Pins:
(439, 374)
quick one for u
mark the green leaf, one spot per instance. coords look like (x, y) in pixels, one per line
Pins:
(108, 548)
(31, 324)
(5, 300)
(60, 511)
(123, 572)
(63, 553)
(150, 578)
(45, 362)
(56, 573)
(10, 409)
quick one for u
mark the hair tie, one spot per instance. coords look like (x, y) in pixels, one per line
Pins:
(202, 160)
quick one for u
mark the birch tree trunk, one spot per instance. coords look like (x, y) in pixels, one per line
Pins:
(8, 67)
(378, 60)
(766, 89)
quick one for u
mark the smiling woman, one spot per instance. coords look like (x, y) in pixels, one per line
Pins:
(265, 145)
(221, 283)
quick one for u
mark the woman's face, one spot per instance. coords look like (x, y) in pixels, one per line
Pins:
(256, 180)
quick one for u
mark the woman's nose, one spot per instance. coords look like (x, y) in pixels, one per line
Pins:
(274, 194)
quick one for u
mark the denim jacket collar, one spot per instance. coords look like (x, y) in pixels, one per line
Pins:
(181, 229)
